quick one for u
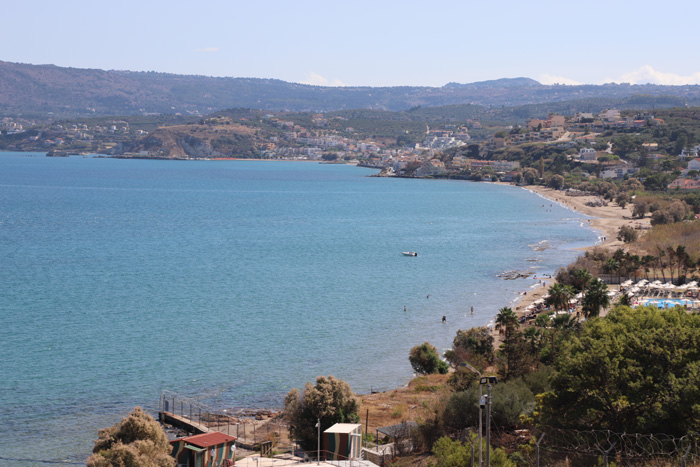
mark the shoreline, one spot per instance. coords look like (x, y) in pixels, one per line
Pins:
(606, 220)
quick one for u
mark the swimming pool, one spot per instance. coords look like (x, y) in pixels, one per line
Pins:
(667, 302)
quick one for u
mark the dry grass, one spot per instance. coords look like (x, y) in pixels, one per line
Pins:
(681, 233)
(412, 402)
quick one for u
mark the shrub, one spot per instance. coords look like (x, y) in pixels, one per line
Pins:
(137, 440)
(462, 410)
(425, 360)
(509, 400)
(627, 234)
(456, 454)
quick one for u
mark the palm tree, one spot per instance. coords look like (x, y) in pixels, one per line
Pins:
(533, 338)
(646, 261)
(561, 323)
(559, 296)
(595, 299)
(660, 261)
(611, 265)
(671, 259)
(683, 260)
(564, 322)
(506, 323)
(582, 277)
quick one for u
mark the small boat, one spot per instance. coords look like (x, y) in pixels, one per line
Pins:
(409, 253)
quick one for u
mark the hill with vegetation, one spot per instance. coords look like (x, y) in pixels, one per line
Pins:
(37, 90)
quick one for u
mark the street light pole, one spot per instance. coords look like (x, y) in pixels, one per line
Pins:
(467, 365)
(488, 426)
(318, 438)
(481, 417)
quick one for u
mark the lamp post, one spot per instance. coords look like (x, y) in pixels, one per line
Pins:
(467, 365)
(489, 380)
(318, 438)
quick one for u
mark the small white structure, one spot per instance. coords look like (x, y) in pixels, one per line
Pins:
(587, 154)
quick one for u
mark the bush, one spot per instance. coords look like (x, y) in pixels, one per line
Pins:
(137, 440)
(425, 360)
(627, 234)
(509, 400)
(456, 454)
(331, 400)
(462, 410)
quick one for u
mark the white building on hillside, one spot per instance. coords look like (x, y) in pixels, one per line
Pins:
(587, 154)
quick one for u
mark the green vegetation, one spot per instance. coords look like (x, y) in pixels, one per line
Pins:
(636, 371)
(331, 400)
(425, 360)
(136, 441)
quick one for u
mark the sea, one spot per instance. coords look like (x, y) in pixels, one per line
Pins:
(231, 282)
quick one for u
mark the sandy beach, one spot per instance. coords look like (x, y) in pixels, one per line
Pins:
(607, 220)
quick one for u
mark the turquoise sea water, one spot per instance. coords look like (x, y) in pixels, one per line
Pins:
(234, 281)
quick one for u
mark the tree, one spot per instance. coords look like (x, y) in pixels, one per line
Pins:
(627, 234)
(506, 321)
(425, 360)
(136, 441)
(582, 277)
(559, 296)
(475, 345)
(507, 324)
(623, 198)
(533, 338)
(331, 400)
(636, 371)
(556, 182)
(595, 299)
(530, 175)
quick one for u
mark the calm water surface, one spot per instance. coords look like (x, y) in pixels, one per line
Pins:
(232, 282)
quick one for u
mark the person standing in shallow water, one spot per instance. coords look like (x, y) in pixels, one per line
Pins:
(404, 308)
(444, 318)
(472, 309)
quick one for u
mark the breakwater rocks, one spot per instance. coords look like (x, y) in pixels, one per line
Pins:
(512, 275)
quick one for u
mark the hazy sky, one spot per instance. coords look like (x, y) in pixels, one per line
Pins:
(358, 42)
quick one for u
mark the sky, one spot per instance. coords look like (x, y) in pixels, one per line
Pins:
(365, 43)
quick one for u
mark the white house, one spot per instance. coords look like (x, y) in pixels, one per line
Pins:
(689, 152)
(610, 115)
(587, 154)
(693, 165)
(617, 171)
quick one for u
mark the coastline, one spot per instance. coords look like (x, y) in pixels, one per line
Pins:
(606, 220)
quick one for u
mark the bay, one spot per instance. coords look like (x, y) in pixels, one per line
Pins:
(233, 281)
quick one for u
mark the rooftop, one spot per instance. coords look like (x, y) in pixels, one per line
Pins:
(206, 440)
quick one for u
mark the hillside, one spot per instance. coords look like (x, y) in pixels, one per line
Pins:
(39, 90)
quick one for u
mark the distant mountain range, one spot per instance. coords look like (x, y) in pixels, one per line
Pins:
(38, 90)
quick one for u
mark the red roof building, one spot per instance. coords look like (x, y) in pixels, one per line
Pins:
(213, 448)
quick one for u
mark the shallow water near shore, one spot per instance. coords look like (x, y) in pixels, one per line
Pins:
(232, 282)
